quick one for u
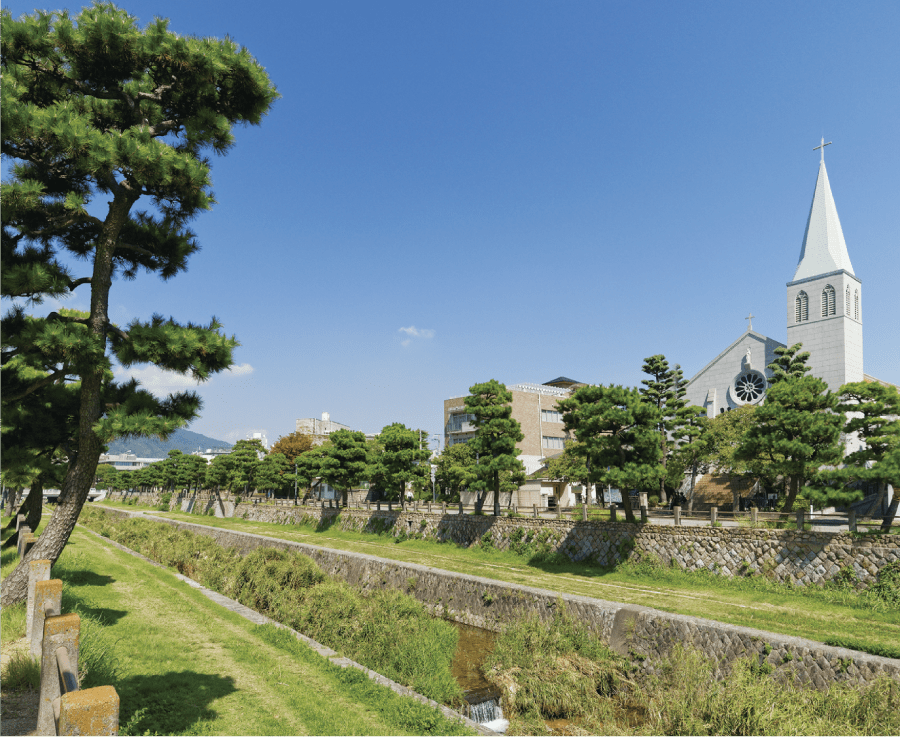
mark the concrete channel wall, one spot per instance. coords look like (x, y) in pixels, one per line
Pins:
(641, 632)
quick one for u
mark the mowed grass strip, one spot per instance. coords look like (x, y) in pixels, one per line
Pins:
(188, 666)
(809, 612)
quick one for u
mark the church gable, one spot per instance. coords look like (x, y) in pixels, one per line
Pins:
(737, 376)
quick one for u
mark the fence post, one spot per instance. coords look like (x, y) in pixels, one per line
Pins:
(92, 711)
(47, 603)
(390, 506)
(443, 507)
(24, 531)
(584, 512)
(378, 505)
(851, 521)
(643, 515)
(612, 512)
(534, 510)
(461, 507)
(713, 516)
(20, 520)
(754, 516)
(800, 519)
(38, 570)
(59, 631)
(677, 514)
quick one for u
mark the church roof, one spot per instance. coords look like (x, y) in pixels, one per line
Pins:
(758, 336)
(824, 249)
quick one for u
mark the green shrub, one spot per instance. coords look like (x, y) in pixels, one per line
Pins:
(21, 672)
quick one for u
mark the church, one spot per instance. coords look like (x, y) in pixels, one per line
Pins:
(823, 312)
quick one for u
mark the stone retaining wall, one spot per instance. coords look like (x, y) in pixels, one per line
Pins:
(630, 630)
(783, 555)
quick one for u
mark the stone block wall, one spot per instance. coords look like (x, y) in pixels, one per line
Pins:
(793, 556)
(630, 630)
(784, 555)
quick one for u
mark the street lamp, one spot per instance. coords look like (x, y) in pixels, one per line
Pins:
(295, 482)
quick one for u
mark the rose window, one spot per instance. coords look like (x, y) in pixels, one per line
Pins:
(750, 386)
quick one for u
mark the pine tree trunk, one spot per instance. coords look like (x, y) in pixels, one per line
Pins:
(12, 504)
(693, 481)
(792, 495)
(662, 482)
(626, 504)
(892, 511)
(34, 503)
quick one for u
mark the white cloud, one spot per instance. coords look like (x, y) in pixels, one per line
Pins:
(413, 332)
(241, 369)
(160, 382)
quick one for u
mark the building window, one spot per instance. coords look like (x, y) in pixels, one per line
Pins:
(550, 415)
(456, 422)
(552, 443)
(828, 301)
(856, 304)
(801, 307)
(847, 303)
(750, 386)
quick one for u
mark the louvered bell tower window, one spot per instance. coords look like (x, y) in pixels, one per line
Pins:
(828, 301)
(856, 304)
(847, 303)
(801, 306)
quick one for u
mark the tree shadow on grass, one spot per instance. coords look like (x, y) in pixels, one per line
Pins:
(82, 577)
(169, 703)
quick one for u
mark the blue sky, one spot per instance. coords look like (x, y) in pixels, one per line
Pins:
(452, 192)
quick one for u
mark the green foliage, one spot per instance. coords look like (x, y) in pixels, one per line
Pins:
(21, 672)
(455, 470)
(789, 364)
(402, 460)
(342, 464)
(618, 434)
(292, 445)
(495, 439)
(796, 432)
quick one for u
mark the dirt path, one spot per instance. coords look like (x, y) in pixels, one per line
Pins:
(18, 709)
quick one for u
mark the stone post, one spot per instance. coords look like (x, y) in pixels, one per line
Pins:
(583, 512)
(30, 540)
(677, 514)
(323, 504)
(92, 711)
(644, 515)
(38, 570)
(851, 521)
(754, 516)
(368, 506)
(20, 520)
(443, 507)
(515, 510)
(612, 512)
(428, 508)
(713, 516)
(461, 507)
(642, 499)
(800, 515)
(558, 511)
(378, 505)
(59, 632)
(534, 510)
(24, 531)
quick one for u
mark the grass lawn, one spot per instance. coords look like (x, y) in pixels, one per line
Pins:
(812, 612)
(187, 666)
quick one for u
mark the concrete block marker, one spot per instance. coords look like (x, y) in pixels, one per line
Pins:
(38, 570)
(30, 541)
(94, 711)
(59, 632)
(24, 531)
(47, 603)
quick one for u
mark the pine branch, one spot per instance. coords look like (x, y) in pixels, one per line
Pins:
(49, 379)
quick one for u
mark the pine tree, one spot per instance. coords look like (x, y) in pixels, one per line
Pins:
(402, 460)
(617, 431)
(495, 440)
(666, 390)
(795, 432)
(343, 463)
(791, 363)
(455, 470)
(872, 412)
(96, 110)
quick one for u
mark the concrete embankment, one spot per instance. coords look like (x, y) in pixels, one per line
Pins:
(641, 632)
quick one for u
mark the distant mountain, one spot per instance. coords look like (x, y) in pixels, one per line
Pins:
(183, 440)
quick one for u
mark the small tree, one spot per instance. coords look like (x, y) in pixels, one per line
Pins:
(666, 391)
(243, 462)
(343, 464)
(309, 465)
(402, 460)
(270, 473)
(571, 466)
(495, 440)
(617, 433)
(455, 470)
(692, 445)
(293, 445)
(789, 364)
(795, 432)
(873, 415)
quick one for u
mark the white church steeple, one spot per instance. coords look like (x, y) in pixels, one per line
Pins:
(824, 309)
(824, 249)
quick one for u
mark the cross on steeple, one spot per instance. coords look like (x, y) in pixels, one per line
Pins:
(750, 318)
(822, 146)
